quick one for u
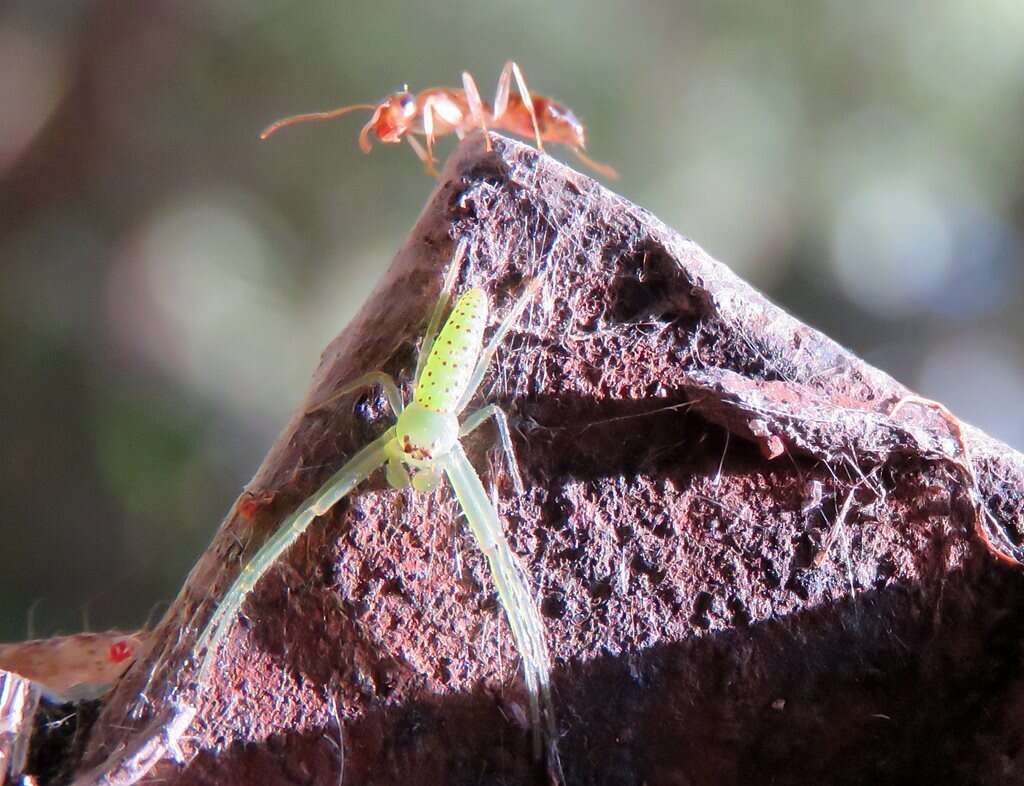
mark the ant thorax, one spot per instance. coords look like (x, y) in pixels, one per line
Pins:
(422, 435)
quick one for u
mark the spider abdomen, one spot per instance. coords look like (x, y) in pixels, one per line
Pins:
(454, 354)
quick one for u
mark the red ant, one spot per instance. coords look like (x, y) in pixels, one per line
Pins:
(448, 110)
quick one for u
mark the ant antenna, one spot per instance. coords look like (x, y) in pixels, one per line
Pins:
(277, 125)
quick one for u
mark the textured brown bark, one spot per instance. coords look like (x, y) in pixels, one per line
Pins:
(749, 570)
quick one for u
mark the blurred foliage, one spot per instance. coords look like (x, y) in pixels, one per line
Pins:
(168, 281)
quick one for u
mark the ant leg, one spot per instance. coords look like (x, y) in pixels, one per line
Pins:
(524, 92)
(357, 469)
(439, 308)
(476, 106)
(477, 419)
(428, 130)
(421, 152)
(501, 97)
(391, 391)
(520, 606)
(601, 169)
(501, 93)
(492, 346)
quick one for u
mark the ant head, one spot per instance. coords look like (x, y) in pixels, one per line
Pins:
(390, 120)
(559, 124)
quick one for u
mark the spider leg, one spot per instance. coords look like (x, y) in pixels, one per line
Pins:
(476, 419)
(426, 480)
(492, 346)
(439, 308)
(391, 391)
(361, 465)
(520, 607)
(397, 474)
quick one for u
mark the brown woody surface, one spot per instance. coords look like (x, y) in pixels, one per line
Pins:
(749, 570)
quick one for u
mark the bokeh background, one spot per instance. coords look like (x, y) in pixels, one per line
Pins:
(167, 281)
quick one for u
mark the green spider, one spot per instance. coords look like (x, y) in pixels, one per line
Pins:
(423, 444)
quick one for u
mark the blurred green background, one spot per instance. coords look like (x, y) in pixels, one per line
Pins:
(167, 281)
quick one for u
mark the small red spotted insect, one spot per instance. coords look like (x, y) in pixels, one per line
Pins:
(80, 666)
